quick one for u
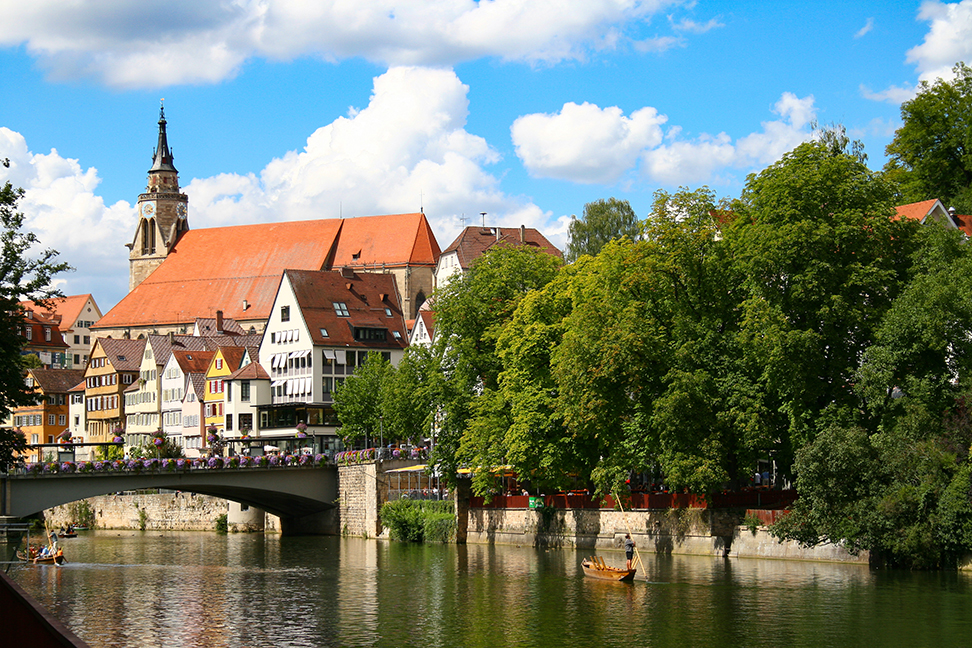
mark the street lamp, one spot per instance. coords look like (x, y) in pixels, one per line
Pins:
(381, 430)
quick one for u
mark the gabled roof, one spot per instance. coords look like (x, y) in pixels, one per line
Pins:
(934, 209)
(366, 295)
(237, 269)
(57, 381)
(80, 387)
(197, 381)
(193, 361)
(124, 355)
(64, 310)
(473, 242)
(252, 371)
(232, 356)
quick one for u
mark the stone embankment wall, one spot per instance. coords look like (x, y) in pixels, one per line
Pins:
(363, 488)
(689, 531)
(162, 512)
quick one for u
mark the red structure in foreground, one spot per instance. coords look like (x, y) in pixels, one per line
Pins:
(26, 623)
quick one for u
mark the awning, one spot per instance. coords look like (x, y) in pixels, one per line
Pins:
(329, 354)
(419, 468)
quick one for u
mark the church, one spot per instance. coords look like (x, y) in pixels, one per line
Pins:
(178, 274)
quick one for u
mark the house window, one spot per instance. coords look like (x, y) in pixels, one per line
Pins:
(33, 438)
(87, 339)
(246, 421)
(341, 309)
(229, 392)
(219, 363)
(245, 391)
(28, 333)
(388, 312)
(50, 419)
(324, 333)
(229, 421)
(62, 419)
(285, 313)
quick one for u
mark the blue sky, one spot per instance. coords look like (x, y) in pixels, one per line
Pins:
(524, 109)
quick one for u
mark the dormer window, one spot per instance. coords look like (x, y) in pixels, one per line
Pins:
(324, 333)
(388, 312)
(47, 334)
(341, 309)
(285, 313)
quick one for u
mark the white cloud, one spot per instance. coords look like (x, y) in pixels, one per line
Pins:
(868, 26)
(893, 94)
(62, 209)
(659, 44)
(406, 150)
(125, 44)
(949, 39)
(585, 143)
(593, 145)
(687, 25)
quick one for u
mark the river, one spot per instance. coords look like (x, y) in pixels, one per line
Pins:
(186, 589)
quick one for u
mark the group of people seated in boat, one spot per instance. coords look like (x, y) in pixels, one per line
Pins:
(68, 530)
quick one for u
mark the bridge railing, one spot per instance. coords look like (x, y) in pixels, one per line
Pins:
(153, 465)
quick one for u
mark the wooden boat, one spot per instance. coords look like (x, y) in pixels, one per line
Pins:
(72, 534)
(56, 559)
(595, 568)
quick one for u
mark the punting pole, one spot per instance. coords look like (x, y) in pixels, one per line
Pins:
(637, 553)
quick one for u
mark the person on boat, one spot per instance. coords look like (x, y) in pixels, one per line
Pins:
(629, 546)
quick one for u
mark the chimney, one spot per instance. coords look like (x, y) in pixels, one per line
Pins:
(497, 230)
(347, 272)
(245, 305)
(522, 234)
(219, 321)
(171, 338)
(951, 211)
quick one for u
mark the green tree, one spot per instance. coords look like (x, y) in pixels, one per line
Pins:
(358, 401)
(821, 259)
(22, 278)
(13, 444)
(470, 315)
(931, 154)
(603, 221)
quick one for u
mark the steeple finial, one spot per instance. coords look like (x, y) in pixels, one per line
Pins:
(162, 156)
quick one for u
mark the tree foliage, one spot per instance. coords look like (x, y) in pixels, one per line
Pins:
(359, 401)
(931, 154)
(602, 222)
(23, 277)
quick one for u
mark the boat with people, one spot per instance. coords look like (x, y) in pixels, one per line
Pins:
(594, 567)
(42, 556)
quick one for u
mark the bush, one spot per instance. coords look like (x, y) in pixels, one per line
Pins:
(416, 520)
(221, 524)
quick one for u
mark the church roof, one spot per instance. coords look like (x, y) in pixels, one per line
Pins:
(237, 269)
(162, 157)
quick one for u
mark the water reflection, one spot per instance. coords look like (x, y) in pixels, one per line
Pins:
(199, 589)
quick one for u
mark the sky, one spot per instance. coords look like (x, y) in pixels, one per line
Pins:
(523, 109)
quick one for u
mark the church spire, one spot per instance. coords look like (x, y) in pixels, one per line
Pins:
(162, 157)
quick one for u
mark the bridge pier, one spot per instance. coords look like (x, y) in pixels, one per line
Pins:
(323, 523)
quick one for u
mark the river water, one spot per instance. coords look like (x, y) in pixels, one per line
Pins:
(181, 589)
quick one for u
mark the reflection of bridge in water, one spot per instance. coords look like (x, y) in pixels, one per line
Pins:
(303, 497)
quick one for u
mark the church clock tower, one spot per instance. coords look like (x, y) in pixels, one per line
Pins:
(162, 214)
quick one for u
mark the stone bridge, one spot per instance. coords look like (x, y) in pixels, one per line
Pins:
(303, 497)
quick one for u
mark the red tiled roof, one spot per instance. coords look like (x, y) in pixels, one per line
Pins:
(252, 371)
(221, 268)
(191, 361)
(316, 293)
(57, 381)
(916, 211)
(473, 242)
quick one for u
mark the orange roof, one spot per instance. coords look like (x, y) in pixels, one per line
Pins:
(193, 361)
(916, 211)
(221, 268)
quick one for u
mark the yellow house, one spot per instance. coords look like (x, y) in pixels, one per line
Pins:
(112, 368)
(225, 361)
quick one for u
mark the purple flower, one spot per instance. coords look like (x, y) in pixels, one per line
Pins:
(274, 460)
(134, 464)
(118, 464)
(181, 464)
(148, 463)
(305, 459)
(158, 442)
(214, 462)
(118, 439)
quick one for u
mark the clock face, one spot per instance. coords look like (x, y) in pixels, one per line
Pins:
(148, 209)
(181, 210)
